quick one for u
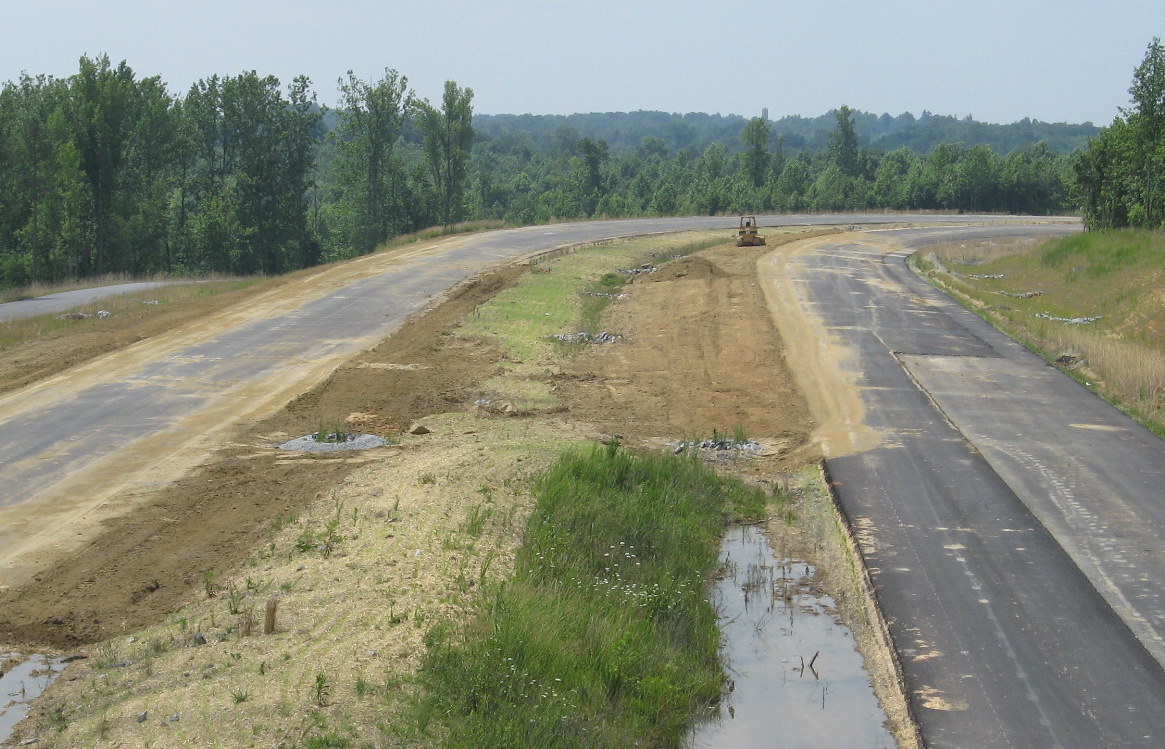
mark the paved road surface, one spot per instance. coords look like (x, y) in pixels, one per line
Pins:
(67, 300)
(997, 489)
(142, 416)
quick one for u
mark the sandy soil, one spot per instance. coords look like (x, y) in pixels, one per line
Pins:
(699, 352)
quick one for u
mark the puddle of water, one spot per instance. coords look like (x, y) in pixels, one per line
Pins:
(20, 684)
(773, 622)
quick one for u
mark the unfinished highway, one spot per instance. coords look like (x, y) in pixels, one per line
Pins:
(1010, 519)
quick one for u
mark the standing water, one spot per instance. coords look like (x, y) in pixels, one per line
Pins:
(21, 680)
(795, 676)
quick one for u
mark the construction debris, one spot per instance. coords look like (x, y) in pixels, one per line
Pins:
(584, 337)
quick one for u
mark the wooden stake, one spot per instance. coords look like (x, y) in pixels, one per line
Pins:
(269, 619)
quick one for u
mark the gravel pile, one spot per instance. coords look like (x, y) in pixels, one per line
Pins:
(309, 443)
(584, 337)
(751, 446)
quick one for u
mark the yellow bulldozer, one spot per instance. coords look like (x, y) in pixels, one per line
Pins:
(746, 236)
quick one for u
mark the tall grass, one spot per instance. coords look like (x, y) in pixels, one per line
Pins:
(1098, 254)
(1113, 275)
(604, 636)
(1132, 374)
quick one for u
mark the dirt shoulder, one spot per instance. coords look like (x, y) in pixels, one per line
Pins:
(145, 563)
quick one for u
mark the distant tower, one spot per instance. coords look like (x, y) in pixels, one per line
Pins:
(764, 114)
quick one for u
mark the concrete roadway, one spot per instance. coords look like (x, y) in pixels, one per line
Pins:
(1012, 521)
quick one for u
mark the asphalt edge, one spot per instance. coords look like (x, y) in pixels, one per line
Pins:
(873, 611)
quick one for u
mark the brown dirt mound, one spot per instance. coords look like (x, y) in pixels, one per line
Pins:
(699, 353)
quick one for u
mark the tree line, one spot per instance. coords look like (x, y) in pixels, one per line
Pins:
(625, 131)
(107, 172)
(1121, 174)
(512, 179)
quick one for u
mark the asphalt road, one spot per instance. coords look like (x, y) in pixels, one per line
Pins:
(66, 300)
(1012, 521)
(47, 439)
(71, 444)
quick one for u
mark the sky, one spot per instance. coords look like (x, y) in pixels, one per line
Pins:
(995, 60)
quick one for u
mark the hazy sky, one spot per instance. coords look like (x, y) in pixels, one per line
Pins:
(1000, 61)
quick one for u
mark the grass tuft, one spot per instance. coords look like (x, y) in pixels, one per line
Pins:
(603, 637)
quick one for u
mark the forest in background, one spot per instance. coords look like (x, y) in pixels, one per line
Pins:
(627, 130)
(107, 172)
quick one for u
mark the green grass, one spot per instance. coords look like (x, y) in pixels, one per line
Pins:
(1097, 254)
(548, 300)
(604, 636)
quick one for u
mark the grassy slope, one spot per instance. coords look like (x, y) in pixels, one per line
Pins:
(604, 637)
(1118, 277)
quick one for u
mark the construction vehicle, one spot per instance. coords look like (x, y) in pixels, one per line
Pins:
(746, 236)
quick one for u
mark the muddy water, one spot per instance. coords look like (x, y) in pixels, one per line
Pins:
(774, 620)
(24, 679)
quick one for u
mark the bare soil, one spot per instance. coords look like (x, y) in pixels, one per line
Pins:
(699, 353)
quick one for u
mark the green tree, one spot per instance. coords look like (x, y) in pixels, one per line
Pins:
(843, 144)
(1120, 177)
(891, 185)
(590, 186)
(757, 162)
(1148, 122)
(448, 137)
(370, 179)
(102, 112)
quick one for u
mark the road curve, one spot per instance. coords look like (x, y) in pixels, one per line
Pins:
(1015, 596)
(1011, 521)
(142, 416)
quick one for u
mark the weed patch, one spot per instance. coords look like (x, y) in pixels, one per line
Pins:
(571, 294)
(603, 636)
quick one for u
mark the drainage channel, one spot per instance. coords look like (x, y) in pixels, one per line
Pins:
(22, 679)
(795, 676)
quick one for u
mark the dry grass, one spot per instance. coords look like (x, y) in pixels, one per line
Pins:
(27, 329)
(360, 577)
(44, 289)
(1116, 277)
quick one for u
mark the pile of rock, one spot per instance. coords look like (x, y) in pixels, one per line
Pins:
(584, 337)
